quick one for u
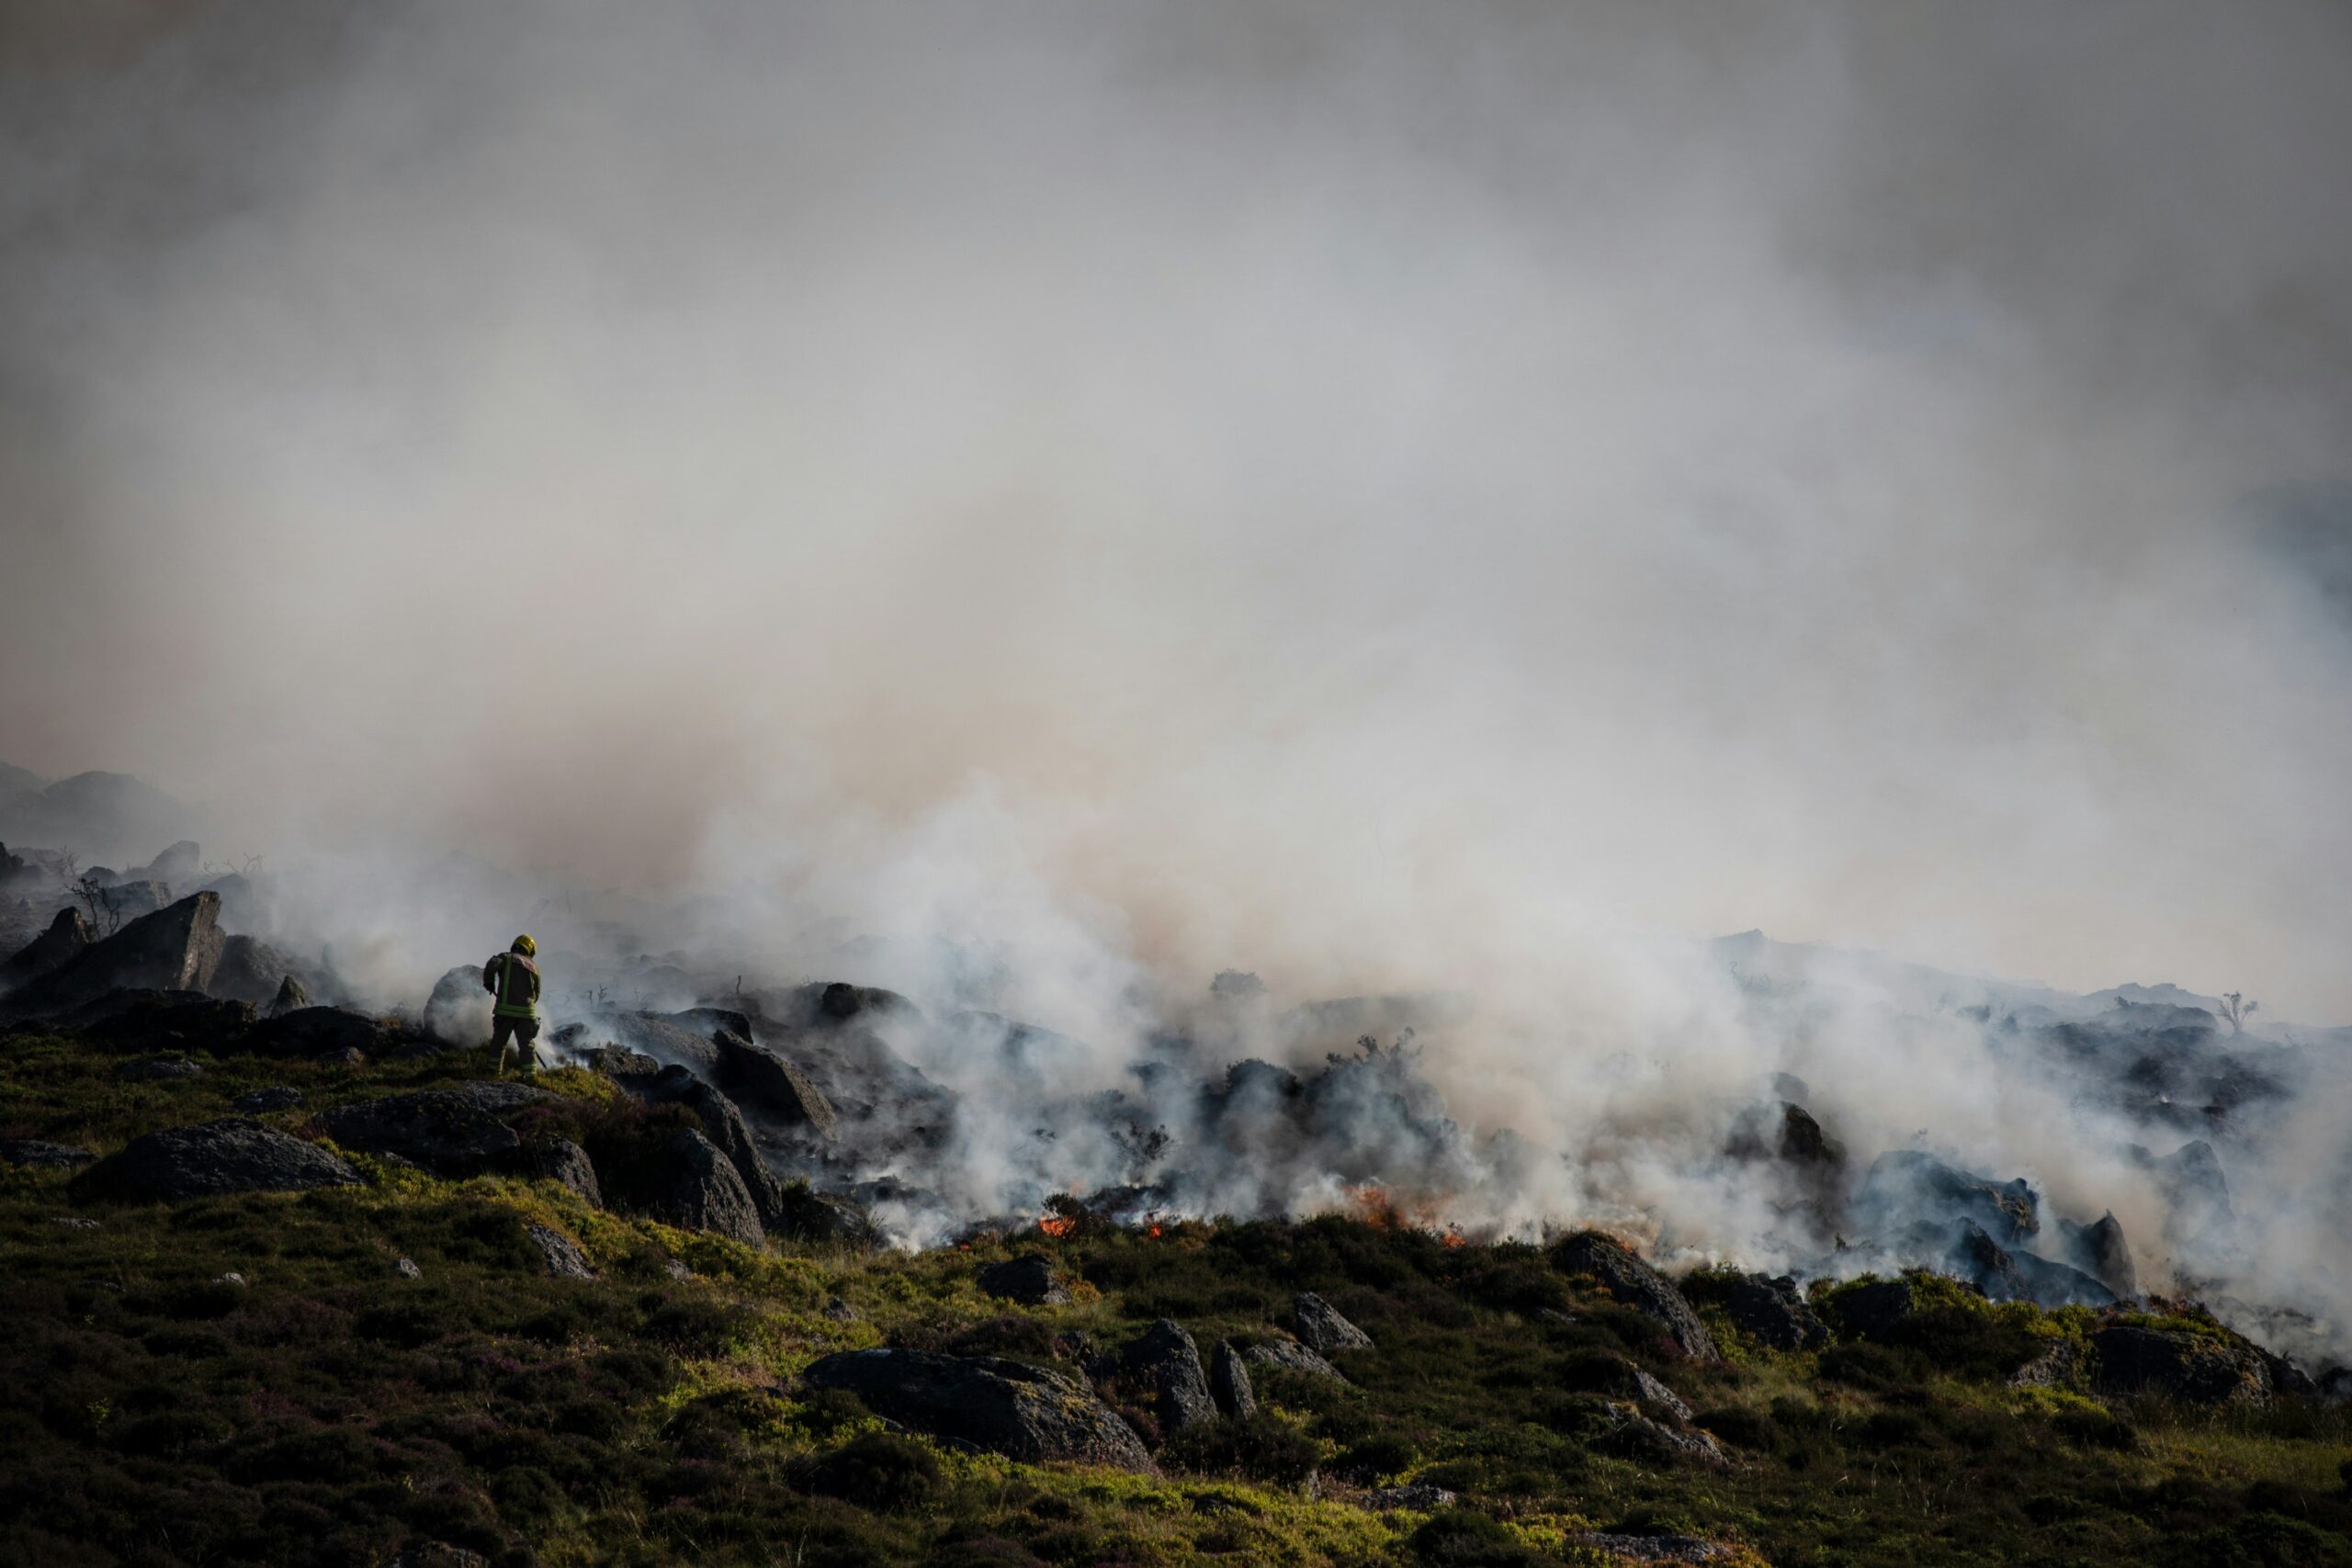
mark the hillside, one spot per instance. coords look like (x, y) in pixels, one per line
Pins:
(390, 1372)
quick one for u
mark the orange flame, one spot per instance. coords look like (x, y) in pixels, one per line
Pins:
(1153, 1230)
(1455, 1238)
(1057, 1224)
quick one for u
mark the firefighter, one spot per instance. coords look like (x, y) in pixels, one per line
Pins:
(513, 979)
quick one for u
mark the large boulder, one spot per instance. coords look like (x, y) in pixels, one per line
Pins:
(1323, 1329)
(2099, 1250)
(1028, 1280)
(174, 949)
(558, 1254)
(133, 898)
(250, 971)
(667, 1040)
(67, 935)
(1773, 1312)
(317, 1032)
(2004, 1275)
(697, 1188)
(33, 1154)
(176, 865)
(1165, 1358)
(568, 1165)
(169, 1021)
(2201, 1367)
(451, 1132)
(1905, 1187)
(1229, 1383)
(1291, 1356)
(760, 1077)
(1635, 1284)
(457, 1012)
(1008, 1407)
(211, 1158)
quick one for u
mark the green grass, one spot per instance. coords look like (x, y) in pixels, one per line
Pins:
(329, 1411)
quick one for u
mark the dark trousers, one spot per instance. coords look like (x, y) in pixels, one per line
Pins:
(518, 1031)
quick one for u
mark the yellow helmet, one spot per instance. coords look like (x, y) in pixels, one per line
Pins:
(525, 946)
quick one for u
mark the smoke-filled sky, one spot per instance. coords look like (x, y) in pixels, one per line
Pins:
(1374, 494)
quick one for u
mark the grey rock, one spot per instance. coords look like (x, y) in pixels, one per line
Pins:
(275, 1097)
(159, 1067)
(451, 1132)
(1028, 1280)
(559, 1253)
(457, 1012)
(211, 1158)
(1003, 1406)
(2061, 1366)
(1653, 1393)
(697, 1188)
(176, 865)
(1634, 1283)
(433, 1555)
(406, 1269)
(1419, 1497)
(1774, 1311)
(250, 971)
(676, 1270)
(174, 949)
(1905, 1187)
(1229, 1383)
(317, 1032)
(1291, 1356)
(134, 898)
(764, 1078)
(2198, 1368)
(2099, 1250)
(1632, 1435)
(567, 1164)
(1165, 1356)
(231, 1278)
(74, 1223)
(291, 997)
(67, 935)
(620, 1062)
(840, 1311)
(1322, 1329)
(34, 1153)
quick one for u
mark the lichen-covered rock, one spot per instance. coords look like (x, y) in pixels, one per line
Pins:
(2200, 1368)
(566, 1163)
(33, 1154)
(765, 1079)
(1322, 1329)
(456, 1012)
(698, 1188)
(1028, 1280)
(1291, 1356)
(560, 1254)
(174, 948)
(1629, 1434)
(1229, 1383)
(274, 1097)
(1635, 1284)
(211, 1158)
(1773, 1312)
(1007, 1407)
(455, 1131)
(1165, 1356)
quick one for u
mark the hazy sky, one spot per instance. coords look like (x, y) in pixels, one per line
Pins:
(1364, 493)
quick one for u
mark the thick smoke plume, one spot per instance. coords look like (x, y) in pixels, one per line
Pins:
(1035, 504)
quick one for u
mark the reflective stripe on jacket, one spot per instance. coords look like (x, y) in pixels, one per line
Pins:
(515, 980)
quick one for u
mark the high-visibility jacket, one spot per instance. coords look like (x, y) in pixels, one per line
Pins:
(514, 980)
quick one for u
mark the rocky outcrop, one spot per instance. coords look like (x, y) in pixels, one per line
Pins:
(1630, 1434)
(250, 971)
(1875, 1310)
(67, 935)
(33, 1154)
(457, 1012)
(698, 1188)
(450, 1131)
(161, 1020)
(2016, 1276)
(558, 1254)
(211, 1158)
(1323, 1330)
(2099, 1250)
(1905, 1187)
(762, 1079)
(568, 1165)
(1006, 1407)
(2200, 1368)
(1774, 1311)
(1229, 1383)
(1635, 1284)
(1166, 1361)
(290, 998)
(1028, 1280)
(1291, 1356)
(174, 949)
(317, 1032)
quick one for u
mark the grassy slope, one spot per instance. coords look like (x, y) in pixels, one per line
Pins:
(329, 1411)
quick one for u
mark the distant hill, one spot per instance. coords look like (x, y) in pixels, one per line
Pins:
(105, 819)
